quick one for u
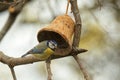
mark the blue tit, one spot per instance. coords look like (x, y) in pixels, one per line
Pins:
(43, 50)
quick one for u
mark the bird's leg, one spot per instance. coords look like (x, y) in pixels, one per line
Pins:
(48, 61)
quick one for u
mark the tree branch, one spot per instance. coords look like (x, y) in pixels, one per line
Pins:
(13, 72)
(4, 6)
(75, 10)
(77, 34)
(86, 76)
(48, 62)
(14, 9)
(30, 59)
(7, 26)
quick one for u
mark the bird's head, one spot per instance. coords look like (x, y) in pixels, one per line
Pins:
(52, 44)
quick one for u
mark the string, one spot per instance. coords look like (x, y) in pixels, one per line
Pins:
(67, 7)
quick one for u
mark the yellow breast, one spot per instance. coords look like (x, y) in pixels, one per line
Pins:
(45, 54)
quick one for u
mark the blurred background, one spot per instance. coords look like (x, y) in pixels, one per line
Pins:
(100, 35)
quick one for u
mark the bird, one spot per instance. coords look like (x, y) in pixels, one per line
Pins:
(43, 50)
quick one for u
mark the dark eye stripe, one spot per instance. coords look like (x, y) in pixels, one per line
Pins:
(53, 44)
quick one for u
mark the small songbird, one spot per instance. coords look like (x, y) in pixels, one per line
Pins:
(43, 50)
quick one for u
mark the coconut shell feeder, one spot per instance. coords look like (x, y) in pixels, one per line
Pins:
(61, 30)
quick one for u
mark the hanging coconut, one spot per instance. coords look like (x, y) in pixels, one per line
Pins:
(61, 30)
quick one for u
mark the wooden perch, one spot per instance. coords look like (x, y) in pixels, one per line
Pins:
(30, 59)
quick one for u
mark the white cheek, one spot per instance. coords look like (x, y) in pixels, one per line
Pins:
(51, 46)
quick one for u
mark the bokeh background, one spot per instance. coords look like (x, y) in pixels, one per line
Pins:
(100, 35)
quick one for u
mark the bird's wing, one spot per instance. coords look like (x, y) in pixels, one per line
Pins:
(36, 50)
(40, 48)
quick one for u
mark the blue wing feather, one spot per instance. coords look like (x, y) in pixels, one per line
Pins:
(39, 49)
(36, 50)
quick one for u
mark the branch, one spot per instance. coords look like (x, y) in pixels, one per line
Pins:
(48, 62)
(13, 72)
(75, 10)
(86, 76)
(4, 6)
(77, 34)
(30, 59)
(7, 26)
(14, 9)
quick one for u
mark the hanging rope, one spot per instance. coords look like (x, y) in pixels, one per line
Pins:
(67, 7)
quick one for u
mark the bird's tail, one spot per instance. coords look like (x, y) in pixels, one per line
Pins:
(26, 54)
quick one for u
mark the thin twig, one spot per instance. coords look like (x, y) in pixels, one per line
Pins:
(67, 7)
(76, 14)
(13, 72)
(14, 9)
(86, 76)
(7, 26)
(48, 62)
